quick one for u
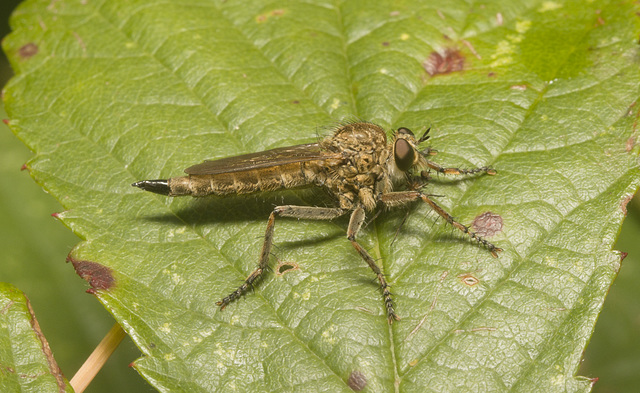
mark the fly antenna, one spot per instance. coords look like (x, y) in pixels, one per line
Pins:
(424, 136)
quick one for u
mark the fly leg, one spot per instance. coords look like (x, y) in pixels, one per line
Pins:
(357, 218)
(402, 197)
(458, 171)
(299, 212)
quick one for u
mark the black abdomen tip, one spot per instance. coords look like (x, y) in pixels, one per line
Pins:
(157, 186)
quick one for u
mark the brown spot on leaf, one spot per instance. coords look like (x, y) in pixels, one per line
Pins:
(630, 143)
(357, 381)
(487, 224)
(385, 43)
(264, 17)
(623, 255)
(28, 50)
(5, 121)
(24, 167)
(97, 275)
(451, 60)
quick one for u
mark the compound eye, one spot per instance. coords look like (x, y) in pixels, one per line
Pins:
(404, 154)
(405, 131)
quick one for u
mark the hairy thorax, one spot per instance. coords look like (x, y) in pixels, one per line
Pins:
(361, 172)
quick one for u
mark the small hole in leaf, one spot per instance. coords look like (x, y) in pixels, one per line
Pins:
(286, 267)
(468, 279)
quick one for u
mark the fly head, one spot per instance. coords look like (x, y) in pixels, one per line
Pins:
(405, 150)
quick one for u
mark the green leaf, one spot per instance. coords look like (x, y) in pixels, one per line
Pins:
(25, 357)
(111, 92)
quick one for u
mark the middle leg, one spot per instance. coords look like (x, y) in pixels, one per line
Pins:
(299, 212)
(459, 171)
(355, 223)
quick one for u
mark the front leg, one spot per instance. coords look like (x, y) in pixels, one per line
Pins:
(355, 223)
(459, 171)
(299, 212)
(403, 197)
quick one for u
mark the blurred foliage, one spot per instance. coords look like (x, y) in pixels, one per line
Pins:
(613, 355)
(35, 247)
(25, 358)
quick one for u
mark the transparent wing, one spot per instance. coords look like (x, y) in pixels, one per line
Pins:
(263, 159)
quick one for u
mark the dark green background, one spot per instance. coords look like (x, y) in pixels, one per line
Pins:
(34, 246)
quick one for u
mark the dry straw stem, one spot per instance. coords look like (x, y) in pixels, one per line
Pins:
(98, 358)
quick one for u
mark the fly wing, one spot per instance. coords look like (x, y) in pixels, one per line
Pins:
(263, 159)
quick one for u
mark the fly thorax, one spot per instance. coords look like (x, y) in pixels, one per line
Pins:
(346, 200)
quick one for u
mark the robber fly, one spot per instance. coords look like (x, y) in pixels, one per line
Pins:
(356, 165)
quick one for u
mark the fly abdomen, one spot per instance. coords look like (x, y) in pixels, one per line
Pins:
(240, 182)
